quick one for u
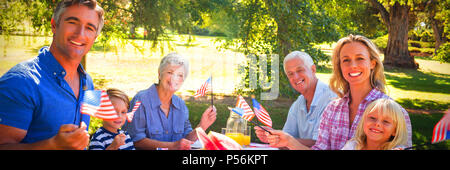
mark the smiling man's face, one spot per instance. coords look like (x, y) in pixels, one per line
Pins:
(300, 76)
(76, 32)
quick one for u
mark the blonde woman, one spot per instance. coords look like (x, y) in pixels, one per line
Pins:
(382, 127)
(358, 80)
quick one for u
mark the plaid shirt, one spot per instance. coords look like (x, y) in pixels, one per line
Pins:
(335, 129)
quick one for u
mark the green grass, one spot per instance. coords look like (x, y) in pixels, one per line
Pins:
(422, 127)
(423, 104)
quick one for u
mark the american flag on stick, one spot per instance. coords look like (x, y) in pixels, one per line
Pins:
(131, 114)
(441, 132)
(261, 113)
(248, 112)
(205, 88)
(96, 103)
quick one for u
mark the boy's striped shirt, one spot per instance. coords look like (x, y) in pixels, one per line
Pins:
(103, 138)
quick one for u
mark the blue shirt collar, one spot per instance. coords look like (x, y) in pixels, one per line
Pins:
(155, 102)
(318, 91)
(320, 86)
(53, 66)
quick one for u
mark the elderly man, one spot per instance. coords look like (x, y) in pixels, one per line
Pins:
(305, 113)
(40, 98)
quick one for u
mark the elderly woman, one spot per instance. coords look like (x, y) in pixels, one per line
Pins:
(162, 120)
(358, 79)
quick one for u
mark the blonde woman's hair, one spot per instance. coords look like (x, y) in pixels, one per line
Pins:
(113, 92)
(387, 107)
(337, 82)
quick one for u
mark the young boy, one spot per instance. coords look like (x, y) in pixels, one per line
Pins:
(110, 137)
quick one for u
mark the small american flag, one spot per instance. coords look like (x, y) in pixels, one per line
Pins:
(205, 88)
(237, 110)
(261, 113)
(131, 114)
(96, 103)
(248, 112)
(441, 132)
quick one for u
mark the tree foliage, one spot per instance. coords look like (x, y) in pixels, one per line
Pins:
(251, 26)
(279, 27)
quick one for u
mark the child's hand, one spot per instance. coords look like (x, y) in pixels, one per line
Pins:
(119, 140)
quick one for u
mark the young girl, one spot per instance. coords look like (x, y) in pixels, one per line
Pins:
(110, 137)
(382, 127)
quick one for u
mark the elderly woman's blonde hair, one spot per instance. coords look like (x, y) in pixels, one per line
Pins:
(377, 80)
(387, 107)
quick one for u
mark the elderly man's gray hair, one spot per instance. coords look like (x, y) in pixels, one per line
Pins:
(174, 59)
(307, 60)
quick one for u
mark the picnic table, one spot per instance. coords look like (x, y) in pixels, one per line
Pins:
(253, 146)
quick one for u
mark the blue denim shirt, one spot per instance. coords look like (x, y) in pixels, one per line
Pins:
(35, 97)
(304, 124)
(149, 120)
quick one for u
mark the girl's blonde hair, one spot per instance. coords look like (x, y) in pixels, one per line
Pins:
(390, 108)
(337, 82)
(113, 92)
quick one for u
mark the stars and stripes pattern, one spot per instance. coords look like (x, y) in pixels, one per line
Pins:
(261, 113)
(97, 104)
(248, 112)
(441, 132)
(237, 110)
(131, 114)
(205, 88)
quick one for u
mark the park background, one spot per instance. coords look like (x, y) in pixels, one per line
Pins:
(218, 35)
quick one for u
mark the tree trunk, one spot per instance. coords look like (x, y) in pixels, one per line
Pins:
(438, 28)
(397, 53)
(283, 37)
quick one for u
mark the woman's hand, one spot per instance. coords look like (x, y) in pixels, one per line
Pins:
(208, 117)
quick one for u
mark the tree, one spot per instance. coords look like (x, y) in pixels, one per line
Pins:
(279, 27)
(439, 14)
(396, 18)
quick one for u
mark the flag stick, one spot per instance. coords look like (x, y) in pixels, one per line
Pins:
(256, 124)
(212, 94)
(259, 126)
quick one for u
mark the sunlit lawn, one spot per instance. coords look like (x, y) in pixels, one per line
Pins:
(132, 69)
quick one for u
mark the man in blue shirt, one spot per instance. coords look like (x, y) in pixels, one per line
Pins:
(40, 99)
(305, 113)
